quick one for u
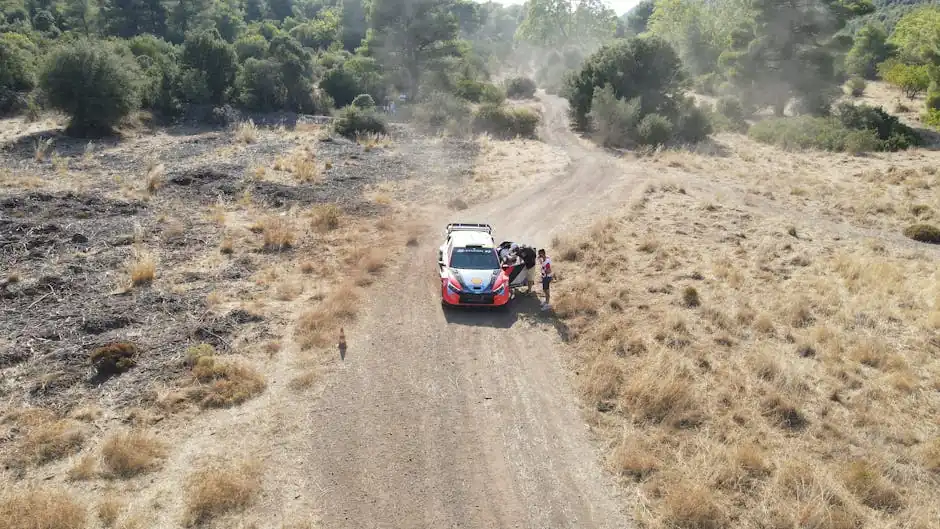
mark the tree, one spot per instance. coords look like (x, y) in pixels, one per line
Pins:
(869, 49)
(215, 60)
(785, 52)
(637, 18)
(92, 83)
(126, 18)
(261, 85)
(319, 33)
(296, 66)
(354, 24)
(409, 36)
(555, 23)
(81, 15)
(644, 68)
(917, 35)
(911, 79)
(17, 71)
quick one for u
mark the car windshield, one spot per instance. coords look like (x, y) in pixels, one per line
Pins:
(474, 259)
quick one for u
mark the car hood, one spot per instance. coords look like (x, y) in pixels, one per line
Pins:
(475, 280)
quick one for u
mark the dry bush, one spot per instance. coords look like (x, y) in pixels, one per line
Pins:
(693, 505)
(114, 358)
(931, 455)
(220, 489)
(41, 148)
(371, 260)
(155, 177)
(227, 246)
(49, 440)
(304, 380)
(635, 457)
(325, 217)
(278, 234)
(224, 383)
(690, 297)
(314, 327)
(109, 509)
(128, 454)
(246, 132)
(142, 268)
(288, 290)
(579, 298)
(305, 169)
(923, 233)
(84, 470)
(783, 413)
(307, 267)
(40, 508)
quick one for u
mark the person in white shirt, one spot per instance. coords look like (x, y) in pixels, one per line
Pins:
(546, 264)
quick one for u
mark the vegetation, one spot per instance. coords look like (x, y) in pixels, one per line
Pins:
(520, 88)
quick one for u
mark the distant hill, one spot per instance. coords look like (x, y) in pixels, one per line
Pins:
(888, 12)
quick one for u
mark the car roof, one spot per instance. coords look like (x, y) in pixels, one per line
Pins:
(464, 238)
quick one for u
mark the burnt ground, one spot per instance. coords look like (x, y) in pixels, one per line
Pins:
(64, 249)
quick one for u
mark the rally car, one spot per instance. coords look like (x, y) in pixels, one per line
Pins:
(471, 272)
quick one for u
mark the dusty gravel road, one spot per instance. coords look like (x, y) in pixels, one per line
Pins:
(444, 420)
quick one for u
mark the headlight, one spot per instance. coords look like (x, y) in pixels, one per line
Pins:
(499, 291)
(453, 287)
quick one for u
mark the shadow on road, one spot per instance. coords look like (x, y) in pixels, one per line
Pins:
(524, 305)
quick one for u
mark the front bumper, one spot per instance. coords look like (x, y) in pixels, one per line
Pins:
(474, 299)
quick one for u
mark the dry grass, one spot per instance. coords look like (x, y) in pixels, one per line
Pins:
(41, 148)
(156, 176)
(142, 268)
(40, 508)
(222, 383)
(317, 326)
(47, 439)
(278, 234)
(246, 132)
(304, 381)
(85, 469)
(109, 510)
(757, 396)
(220, 489)
(325, 217)
(130, 453)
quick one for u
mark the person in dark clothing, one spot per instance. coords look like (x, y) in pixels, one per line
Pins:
(527, 254)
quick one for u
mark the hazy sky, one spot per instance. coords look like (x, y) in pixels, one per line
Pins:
(620, 6)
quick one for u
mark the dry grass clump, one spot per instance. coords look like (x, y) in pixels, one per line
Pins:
(47, 439)
(84, 470)
(40, 508)
(923, 233)
(246, 132)
(155, 177)
(604, 379)
(278, 234)
(370, 260)
(114, 358)
(304, 380)
(220, 489)
(128, 454)
(325, 217)
(868, 483)
(221, 383)
(661, 390)
(109, 509)
(690, 297)
(316, 326)
(142, 269)
(693, 505)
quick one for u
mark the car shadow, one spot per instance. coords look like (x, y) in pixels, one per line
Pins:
(523, 305)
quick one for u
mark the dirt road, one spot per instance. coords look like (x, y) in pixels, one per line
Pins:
(464, 419)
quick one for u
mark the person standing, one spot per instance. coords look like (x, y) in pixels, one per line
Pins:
(546, 264)
(527, 253)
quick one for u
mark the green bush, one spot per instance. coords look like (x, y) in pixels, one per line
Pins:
(933, 100)
(114, 358)
(478, 92)
(911, 79)
(808, 132)
(615, 120)
(923, 233)
(707, 83)
(251, 46)
(260, 85)
(932, 118)
(693, 124)
(92, 83)
(341, 86)
(654, 129)
(441, 110)
(17, 71)
(855, 87)
(354, 120)
(887, 128)
(216, 63)
(729, 115)
(520, 88)
(505, 122)
(364, 101)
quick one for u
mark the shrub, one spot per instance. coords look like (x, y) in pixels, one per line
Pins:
(40, 508)
(520, 87)
(615, 120)
(909, 78)
(128, 454)
(260, 85)
(505, 122)
(855, 86)
(654, 129)
(923, 233)
(707, 84)
(363, 101)
(807, 132)
(476, 92)
(341, 86)
(731, 108)
(933, 99)
(92, 83)
(354, 120)
(213, 63)
(114, 358)
(693, 124)
(218, 490)
(17, 71)
(887, 128)
(932, 118)
(224, 384)
(440, 110)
